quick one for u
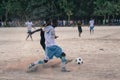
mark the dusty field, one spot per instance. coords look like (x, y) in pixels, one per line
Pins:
(100, 52)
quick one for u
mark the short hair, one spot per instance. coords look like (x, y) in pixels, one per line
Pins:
(54, 22)
(48, 21)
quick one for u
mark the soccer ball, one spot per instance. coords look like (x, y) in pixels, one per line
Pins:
(79, 60)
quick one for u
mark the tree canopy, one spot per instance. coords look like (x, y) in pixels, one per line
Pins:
(60, 9)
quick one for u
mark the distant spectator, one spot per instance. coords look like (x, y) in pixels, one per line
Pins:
(91, 27)
(79, 24)
(29, 25)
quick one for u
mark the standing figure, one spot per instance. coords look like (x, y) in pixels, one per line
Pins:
(79, 24)
(29, 25)
(42, 38)
(51, 48)
(91, 22)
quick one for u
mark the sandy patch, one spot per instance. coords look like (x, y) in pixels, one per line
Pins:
(100, 52)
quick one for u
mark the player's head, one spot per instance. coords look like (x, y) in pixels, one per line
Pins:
(79, 21)
(54, 23)
(48, 21)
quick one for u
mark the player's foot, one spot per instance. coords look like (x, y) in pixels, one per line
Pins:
(64, 69)
(32, 68)
(68, 60)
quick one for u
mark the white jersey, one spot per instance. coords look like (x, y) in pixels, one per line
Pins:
(49, 36)
(29, 25)
(91, 23)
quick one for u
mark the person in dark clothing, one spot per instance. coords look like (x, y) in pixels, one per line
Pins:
(79, 28)
(51, 49)
(42, 40)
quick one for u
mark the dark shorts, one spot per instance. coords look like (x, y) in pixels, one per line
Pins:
(29, 31)
(91, 27)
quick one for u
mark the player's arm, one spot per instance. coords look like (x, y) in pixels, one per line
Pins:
(37, 30)
(33, 25)
(53, 35)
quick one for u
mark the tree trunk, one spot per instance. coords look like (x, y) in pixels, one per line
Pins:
(6, 18)
(108, 18)
(104, 20)
(68, 19)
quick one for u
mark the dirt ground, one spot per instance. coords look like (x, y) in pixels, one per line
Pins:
(100, 52)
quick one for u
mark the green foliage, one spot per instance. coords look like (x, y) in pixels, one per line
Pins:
(65, 9)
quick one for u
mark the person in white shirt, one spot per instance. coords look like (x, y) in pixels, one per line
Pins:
(29, 25)
(51, 50)
(91, 27)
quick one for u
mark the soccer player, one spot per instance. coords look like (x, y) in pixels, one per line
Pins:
(51, 49)
(29, 25)
(91, 22)
(79, 28)
(42, 38)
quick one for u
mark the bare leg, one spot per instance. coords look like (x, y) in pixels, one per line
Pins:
(79, 34)
(93, 31)
(27, 37)
(90, 31)
(33, 66)
(63, 60)
(31, 37)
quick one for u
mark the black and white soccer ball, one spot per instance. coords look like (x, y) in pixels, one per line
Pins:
(79, 60)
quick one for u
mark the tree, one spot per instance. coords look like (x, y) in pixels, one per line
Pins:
(67, 7)
(61, 9)
(104, 8)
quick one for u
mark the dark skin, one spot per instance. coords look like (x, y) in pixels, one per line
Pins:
(42, 40)
(62, 54)
(29, 34)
